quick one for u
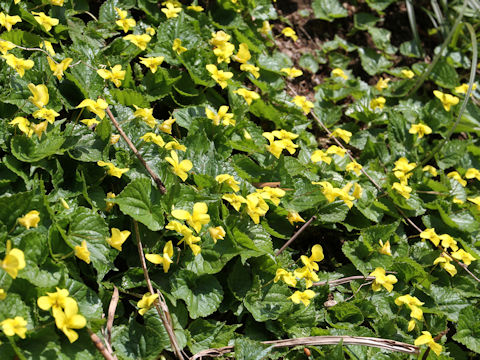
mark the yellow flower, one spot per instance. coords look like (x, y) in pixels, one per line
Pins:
(31, 219)
(472, 173)
(44, 20)
(217, 233)
(177, 46)
(219, 76)
(57, 2)
(235, 200)
(171, 11)
(3, 294)
(18, 326)
(118, 238)
(247, 95)
(179, 168)
(223, 52)
(475, 200)
(175, 145)
(411, 325)
(382, 84)
(114, 139)
(342, 134)
(243, 54)
(381, 279)
(431, 235)
(427, 339)
(444, 261)
(23, 125)
(97, 107)
(166, 127)
(48, 46)
(420, 129)
(122, 14)
(302, 102)
(334, 149)
(222, 116)
(146, 303)
(292, 72)
(219, 38)
(197, 218)
(8, 21)
(151, 137)
(448, 242)
(116, 75)
(463, 256)
(275, 147)
(462, 89)
(47, 114)
(146, 115)
(385, 248)
(90, 122)
(126, 24)
(408, 73)
(403, 165)
(252, 69)
(294, 217)
(446, 99)
(53, 300)
(196, 8)
(431, 170)
(289, 32)
(6, 46)
(320, 156)
(402, 189)
(112, 169)
(355, 167)
(14, 260)
(187, 234)
(287, 277)
(378, 102)
(311, 262)
(357, 191)
(266, 28)
(337, 72)
(272, 194)
(59, 68)
(152, 62)
(140, 41)
(455, 175)
(69, 319)
(256, 207)
(304, 297)
(18, 64)
(229, 180)
(309, 276)
(110, 204)
(413, 304)
(165, 259)
(40, 96)
(40, 128)
(82, 252)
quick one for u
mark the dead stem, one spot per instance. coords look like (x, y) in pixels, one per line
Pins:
(297, 234)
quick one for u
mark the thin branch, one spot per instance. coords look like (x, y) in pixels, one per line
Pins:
(132, 147)
(344, 280)
(297, 234)
(100, 347)
(386, 344)
(160, 305)
(111, 315)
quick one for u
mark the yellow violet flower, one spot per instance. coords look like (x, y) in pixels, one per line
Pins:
(82, 252)
(152, 62)
(345, 135)
(334, 149)
(463, 256)
(8, 21)
(304, 297)
(44, 20)
(357, 191)
(220, 76)
(462, 89)
(243, 54)
(420, 130)
(266, 28)
(448, 242)
(165, 259)
(229, 180)
(68, 319)
(124, 22)
(402, 189)
(166, 127)
(217, 233)
(196, 8)
(152, 137)
(97, 107)
(272, 194)
(219, 38)
(17, 326)
(118, 238)
(354, 167)
(294, 217)
(382, 84)
(444, 261)
(412, 303)
(256, 207)
(289, 32)
(47, 114)
(222, 116)
(475, 200)
(431, 170)
(179, 168)
(6, 46)
(53, 300)
(110, 204)
(224, 51)
(411, 325)
(146, 303)
(122, 14)
(408, 73)
(175, 145)
(472, 173)
(309, 276)
(31, 219)
(455, 175)
(385, 248)
(140, 41)
(311, 262)
(302, 102)
(378, 102)
(48, 46)
(446, 99)
(115, 75)
(431, 235)
(18, 64)
(177, 46)
(337, 72)
(146, 115)
(40, 96)
(59, 68)
(90, 122)
(40, 128)
(403, 165)
(114, 138)
(426, 339)
(252, 69)
(197, 218)
(14, 260)
(112, 169)
(23, 125)
(292, 72)
(57, 2)
(3, 294)
(320, 156)
(171, 11)
(276, 146)
(287, 277)
(381, 279)
(247, 95)
(235, 200)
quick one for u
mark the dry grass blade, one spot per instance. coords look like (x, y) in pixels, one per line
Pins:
(111, 313)
(100, 347)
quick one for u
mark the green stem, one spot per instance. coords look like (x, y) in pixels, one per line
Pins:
(15, 348)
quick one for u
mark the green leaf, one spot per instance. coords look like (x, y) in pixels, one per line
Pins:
(268, 302)
(328, 10)
(345, 315)
(372, 62)
(206, 334)
(246, 349)
(444, 75)
(142, 201)
(468, 329)
(28, 150)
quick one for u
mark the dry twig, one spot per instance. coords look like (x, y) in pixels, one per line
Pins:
(100, 347)
(297, 234)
